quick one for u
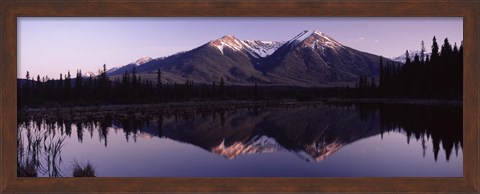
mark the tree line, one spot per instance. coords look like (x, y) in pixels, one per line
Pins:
(129, 88)
(441, 125)
(439, 75)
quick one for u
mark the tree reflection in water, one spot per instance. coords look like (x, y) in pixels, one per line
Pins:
(313, 133)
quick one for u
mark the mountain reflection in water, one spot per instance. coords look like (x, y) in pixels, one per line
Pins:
(311, 133)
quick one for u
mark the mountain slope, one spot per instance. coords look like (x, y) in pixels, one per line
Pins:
(225, 57)
(312, 57)
(309, 59)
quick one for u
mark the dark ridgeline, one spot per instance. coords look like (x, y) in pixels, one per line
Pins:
(311, 130)
(437, 76)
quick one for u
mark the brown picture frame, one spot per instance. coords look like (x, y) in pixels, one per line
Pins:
(10, 10)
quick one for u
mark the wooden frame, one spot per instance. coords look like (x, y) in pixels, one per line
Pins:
(10, 10)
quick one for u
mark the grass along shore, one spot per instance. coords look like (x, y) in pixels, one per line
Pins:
(142, 111)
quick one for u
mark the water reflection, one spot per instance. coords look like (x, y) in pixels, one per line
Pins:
(311, 133)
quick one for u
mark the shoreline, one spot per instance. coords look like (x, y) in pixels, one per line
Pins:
(412, 101)
(139, 111)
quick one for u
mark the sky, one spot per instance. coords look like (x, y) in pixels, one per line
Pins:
(48, 46)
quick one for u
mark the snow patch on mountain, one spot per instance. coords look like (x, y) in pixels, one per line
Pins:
(300, 37)
(138, 62)
(259, 144)
(262, 48)
(256, 48)
(228, 41)
(113, 70)
(142, 61)
(314, 39)
(89, 73)
(403, 58)
(315, 152)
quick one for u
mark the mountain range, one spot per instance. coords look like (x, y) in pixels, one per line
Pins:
(310, 133)
(309, 59)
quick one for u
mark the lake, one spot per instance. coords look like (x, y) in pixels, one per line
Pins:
(323, 140)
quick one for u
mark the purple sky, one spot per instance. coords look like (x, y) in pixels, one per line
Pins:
(53, 45)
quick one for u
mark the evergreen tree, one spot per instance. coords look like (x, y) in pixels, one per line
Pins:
(68, 85)
(422, 52)
(255, 91)
(103, 88)
(78, 84)
(60, 86)
(435, 53)
(407, 58)
(159, 78)
(25, 94)
(214, 92)
(27, 77)
(382, 76)
(134, 77)
(416, 59)
(38, 81)
(446, 48)
(222, 86)
(159, 84)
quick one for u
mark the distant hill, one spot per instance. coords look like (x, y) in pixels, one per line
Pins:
(403, 57)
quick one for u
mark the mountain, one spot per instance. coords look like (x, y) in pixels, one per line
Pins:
(143, 60)
(309, 59)
(312, 57)
(226, 57)
(312, 134)
(129, 67)
(402, 58)
(262, 48)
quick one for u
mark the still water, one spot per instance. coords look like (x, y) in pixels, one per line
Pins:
(348, 140)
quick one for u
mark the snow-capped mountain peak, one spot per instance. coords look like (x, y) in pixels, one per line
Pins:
(313, 39)
(256, 48)
(262, 48)
(227, 41)
(259, 49)
(142, 60)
